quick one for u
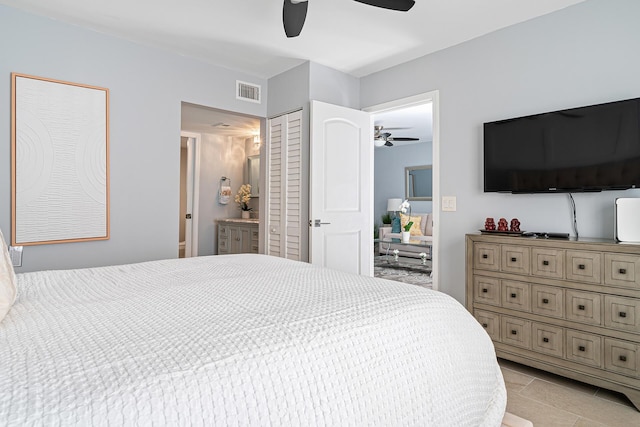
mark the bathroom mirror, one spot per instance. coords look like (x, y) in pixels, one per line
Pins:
(418, 182)
(253, 174)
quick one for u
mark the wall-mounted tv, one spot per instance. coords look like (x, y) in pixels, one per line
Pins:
(589, 148)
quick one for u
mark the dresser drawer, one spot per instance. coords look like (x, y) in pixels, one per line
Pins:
(622, 313)
(622, 357)
(515, 259)
(223, 231)
(547, 339)
(583, 307)
(583, 266)
(515, 295)
(547, 263)
(514, 331)
(547, 300)
(622, 270)
(486, 290)
(490, 322)
(486, 256)
(584, 348)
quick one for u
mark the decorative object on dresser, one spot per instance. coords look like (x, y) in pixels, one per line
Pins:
(237, 236)
(571, 307)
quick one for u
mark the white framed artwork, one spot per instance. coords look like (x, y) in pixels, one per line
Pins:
(59, 161)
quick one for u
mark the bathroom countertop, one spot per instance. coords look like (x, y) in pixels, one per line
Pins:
(241, 220)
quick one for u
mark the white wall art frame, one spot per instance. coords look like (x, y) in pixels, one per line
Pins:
(59, 161)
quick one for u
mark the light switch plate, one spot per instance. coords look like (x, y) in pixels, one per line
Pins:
(448, 203)
(15, 253)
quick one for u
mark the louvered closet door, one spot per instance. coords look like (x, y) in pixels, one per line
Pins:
(284, 174)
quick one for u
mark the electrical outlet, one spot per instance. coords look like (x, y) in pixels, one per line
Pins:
(448, 203)
(15, 253)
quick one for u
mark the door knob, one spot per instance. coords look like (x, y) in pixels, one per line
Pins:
(318, 223)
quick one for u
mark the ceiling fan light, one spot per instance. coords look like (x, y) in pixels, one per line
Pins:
(378, 142)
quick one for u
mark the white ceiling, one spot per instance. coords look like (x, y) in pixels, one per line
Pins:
(247, 35)
(201, 119)
(411, 122)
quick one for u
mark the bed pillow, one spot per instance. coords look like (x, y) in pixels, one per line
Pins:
(416, 229)
(7, 280)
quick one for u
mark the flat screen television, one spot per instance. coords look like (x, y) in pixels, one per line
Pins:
(590, 148)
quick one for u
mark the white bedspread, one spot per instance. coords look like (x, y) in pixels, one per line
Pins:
(241, 340)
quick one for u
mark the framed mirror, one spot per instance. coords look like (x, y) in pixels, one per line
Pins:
(253, 174)
(418, 182)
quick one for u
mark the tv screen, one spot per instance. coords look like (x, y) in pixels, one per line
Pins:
(589, 148)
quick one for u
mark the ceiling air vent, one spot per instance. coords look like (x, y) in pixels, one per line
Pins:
(247, 92)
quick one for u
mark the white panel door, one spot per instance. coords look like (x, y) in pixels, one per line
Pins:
(341, 181)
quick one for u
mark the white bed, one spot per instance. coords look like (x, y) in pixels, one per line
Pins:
(241, 340)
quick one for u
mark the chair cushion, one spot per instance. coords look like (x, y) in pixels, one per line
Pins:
(416, 229)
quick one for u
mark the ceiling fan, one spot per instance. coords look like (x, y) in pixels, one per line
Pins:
(384, 138)
(294, 12)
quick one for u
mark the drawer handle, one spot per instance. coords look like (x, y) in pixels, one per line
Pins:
(545, 339)
(622, 314)
(582, 348)
(514, 295)
(485, 256)
(513, 259)
(622, 271)
(623, 358)
(484, 325)
(485, 290)
(581, 307)
(545, 301)
(581, 267)
(545, 262)
(514, 332)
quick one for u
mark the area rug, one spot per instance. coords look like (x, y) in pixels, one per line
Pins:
(406, 271)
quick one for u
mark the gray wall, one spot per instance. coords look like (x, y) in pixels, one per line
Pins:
(580, 55)
(146, 89)
(389, 176)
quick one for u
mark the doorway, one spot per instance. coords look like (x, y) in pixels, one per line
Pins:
(189, 194)
(222, 141)
(423, 111)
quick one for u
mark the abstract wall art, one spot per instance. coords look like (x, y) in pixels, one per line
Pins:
(59, 161)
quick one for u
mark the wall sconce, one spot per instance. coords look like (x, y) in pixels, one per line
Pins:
(256, 141)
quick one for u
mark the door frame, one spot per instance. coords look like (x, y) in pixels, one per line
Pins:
(434, 98)
(193, 151)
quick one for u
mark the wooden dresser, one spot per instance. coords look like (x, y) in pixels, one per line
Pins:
(571, 307)
(236, 236)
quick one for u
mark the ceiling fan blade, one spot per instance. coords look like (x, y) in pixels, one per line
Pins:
(400, 5)
(293, 15)
(403, 139)
(388, 143)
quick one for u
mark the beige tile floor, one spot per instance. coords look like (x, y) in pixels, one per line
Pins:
(550, 400)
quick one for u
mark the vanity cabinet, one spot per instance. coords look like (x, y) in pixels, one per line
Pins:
(236, 236)
(571, 307)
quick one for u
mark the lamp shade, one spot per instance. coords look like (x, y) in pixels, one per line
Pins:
(393, 205)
